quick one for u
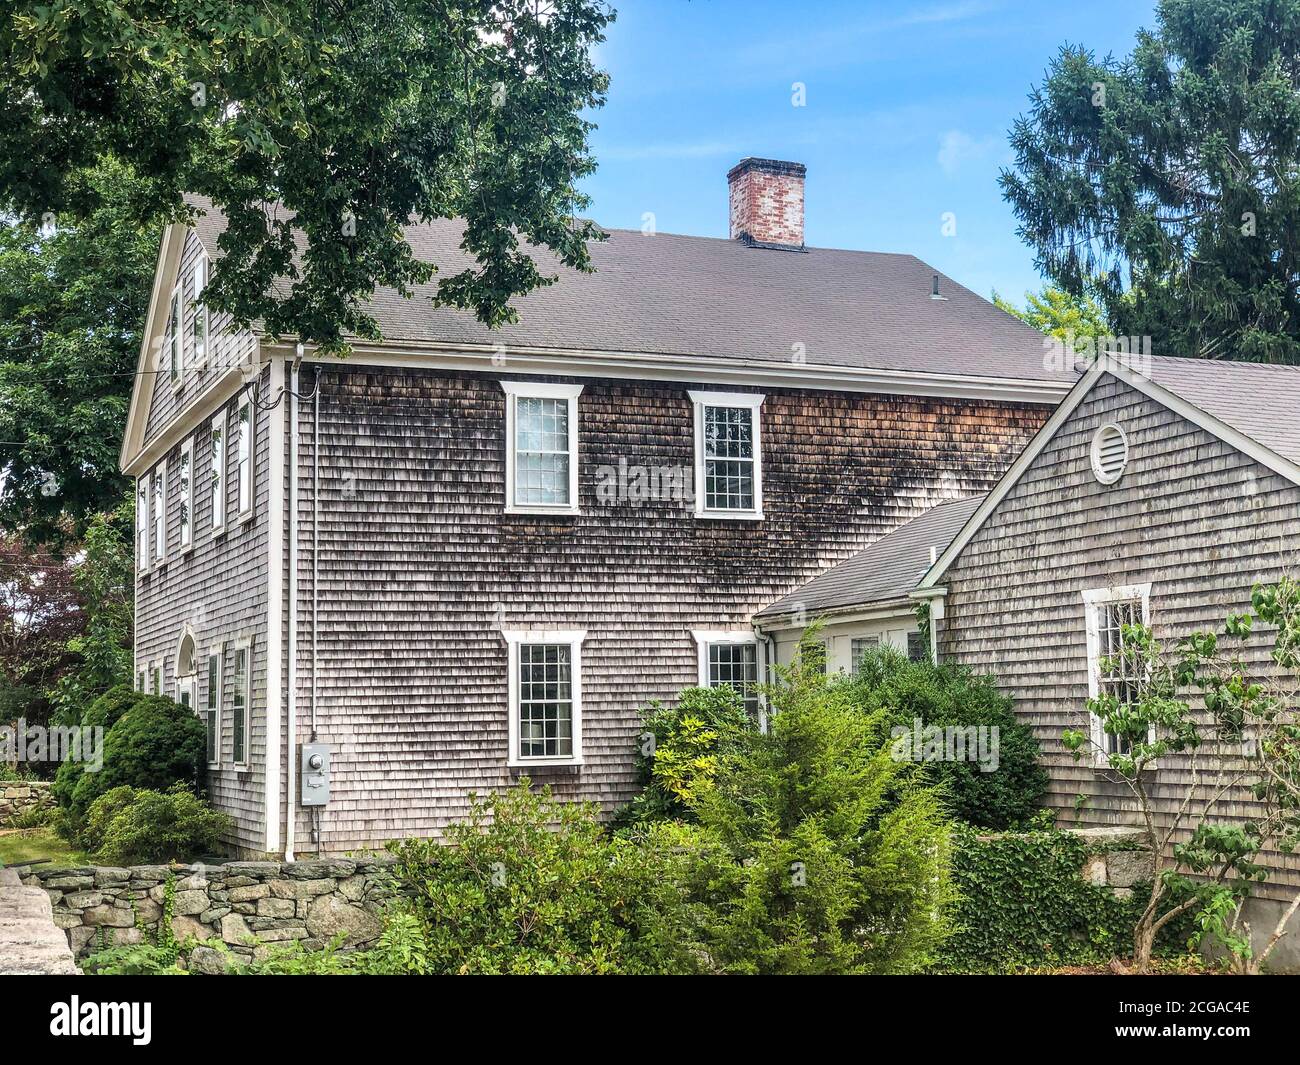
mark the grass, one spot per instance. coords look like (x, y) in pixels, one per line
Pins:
(31, 844)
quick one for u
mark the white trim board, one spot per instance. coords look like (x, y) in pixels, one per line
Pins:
(573, 639)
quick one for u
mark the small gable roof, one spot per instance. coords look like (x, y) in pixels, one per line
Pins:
(886, 571)
(1253, 407)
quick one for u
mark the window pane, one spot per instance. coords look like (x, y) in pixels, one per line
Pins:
(218, 478)
(159, 515)
(184, 493)
(859, 646)
(1114, 671)
(545, 701)
(213, 706)
(728, 458)
(239, 703)
(541, 451)
(917, 648)
(142, 526)
(244, 458)
(736, 664)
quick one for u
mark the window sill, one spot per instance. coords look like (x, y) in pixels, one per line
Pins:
(525, 763)
(218, 530)
(244, 518)
(554, 512)
(730, 515)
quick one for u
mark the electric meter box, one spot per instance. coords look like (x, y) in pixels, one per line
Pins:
(315, 774)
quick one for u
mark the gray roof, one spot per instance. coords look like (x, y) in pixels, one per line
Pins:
(713, 298)
(1260, 400)
(885, 571)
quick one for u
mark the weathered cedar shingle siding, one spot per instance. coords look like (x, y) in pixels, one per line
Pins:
(226, 347)
(219, 589)
(1199, 520)
(416, 554)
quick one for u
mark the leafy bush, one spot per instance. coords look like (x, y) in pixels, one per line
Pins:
(531, 885)
(679, 750)
(817, 851)
(950, 695)
(1025, 904)
(155, 744)
(133, 826)
(103, 713)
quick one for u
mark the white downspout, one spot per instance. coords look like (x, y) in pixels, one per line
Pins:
(291, 701)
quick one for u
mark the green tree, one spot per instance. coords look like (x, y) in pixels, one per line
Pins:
(818, 852)
(72, 303)
(352, 117)
(1059, 314)
(1167, 183)
(103, 578)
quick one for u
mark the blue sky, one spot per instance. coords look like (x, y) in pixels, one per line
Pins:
(907, 110)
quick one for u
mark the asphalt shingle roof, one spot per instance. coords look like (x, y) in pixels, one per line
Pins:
(1260, 400)
(887, 570)
(713, 298)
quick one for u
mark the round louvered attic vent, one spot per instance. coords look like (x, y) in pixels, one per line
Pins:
(1109, 453)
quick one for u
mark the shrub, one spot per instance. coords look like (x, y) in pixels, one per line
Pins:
(103, 713)
(132, 826)
(531, 885)
(951, 695)
(685, 743)
(155, 744)
(1025, 904)
(817, 852)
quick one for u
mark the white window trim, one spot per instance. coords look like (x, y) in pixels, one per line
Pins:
(1092, 599)
(185, 496)
(155, 674)
(176, 337)
(221, 422)
(573, 638)
(752, 400)
(157, 510)
(704, 638)
(245, 403)
(216, 651)
(236, 646)
(201, 311)
(515, 390)
(144, 524)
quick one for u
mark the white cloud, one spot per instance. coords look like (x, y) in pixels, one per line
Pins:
(957, 147)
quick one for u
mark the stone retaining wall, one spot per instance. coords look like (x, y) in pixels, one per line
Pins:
(1117, 857)
(19, 797)
(249, 906)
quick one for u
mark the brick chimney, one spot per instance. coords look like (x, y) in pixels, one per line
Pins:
(767, 203)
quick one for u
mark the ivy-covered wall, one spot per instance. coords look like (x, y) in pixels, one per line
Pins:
(1047, 898)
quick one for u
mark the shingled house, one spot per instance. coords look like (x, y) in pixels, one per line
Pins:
(1160, 491)
(459, 556)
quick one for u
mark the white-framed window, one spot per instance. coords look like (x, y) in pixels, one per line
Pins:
(155, 672)
(859, 646)
(244, 456)
(241, 697)
(541, 447)
(918, 647)
(158, 503)
(728, 454)
(185, 495)
(199, 323)
(141, 680)
(175, 329)
(142, 526)
(1107, 611)
(217, 471)
(734, 659)
(212, 706)
(545, 692)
